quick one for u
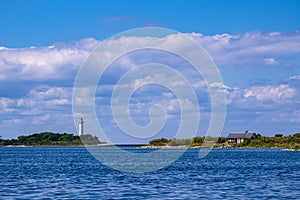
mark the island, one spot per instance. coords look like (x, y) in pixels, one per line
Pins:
(52, 139)
(277, 141)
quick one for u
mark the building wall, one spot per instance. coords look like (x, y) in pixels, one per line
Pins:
(231, 140)
(239, 140)
(80, 128)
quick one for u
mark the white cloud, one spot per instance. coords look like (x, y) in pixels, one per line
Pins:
(6, 105)
(44, 63)
(39, 100)
(168, 95)
(270, 61)
(296, 77)
(270, 93)
(244, 48)
(200, 85)
(44, 108)
(60, 60)
(261, 95)
(46, 92)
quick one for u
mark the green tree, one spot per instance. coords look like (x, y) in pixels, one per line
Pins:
(197, 141)
(221, 140)
(279, 135)
(159, 142)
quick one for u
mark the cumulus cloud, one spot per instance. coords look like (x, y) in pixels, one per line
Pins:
(270, 61)
(5, 105)
(43, 106)
(62, 60)
(270, 93)
(244, 48)
(44, 63)
(39, 100)
(261, 95)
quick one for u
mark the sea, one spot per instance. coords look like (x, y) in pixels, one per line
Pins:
(74, 173)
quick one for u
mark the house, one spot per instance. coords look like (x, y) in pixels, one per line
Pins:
(237, 138)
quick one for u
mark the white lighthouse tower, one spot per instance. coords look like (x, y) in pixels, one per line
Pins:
(80, 127)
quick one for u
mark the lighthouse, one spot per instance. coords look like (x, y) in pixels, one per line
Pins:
(80, 127)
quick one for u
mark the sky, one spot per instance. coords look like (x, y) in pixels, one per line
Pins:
(255, 45)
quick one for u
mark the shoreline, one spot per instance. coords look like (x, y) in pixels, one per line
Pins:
(57, 145)
(204, 147)
(153, 147)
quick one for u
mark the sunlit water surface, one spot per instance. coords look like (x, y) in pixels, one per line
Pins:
(73, 173)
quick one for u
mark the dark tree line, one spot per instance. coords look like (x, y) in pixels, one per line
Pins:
(291, 141)
(49, 138)
(196, 141)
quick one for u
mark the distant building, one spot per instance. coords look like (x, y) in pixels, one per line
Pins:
(80, 127)
(237, 138)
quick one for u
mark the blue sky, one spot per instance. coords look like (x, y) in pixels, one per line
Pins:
(36, 23)
(255, 44)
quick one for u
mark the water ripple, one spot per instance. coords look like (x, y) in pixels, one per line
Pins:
(72, 173)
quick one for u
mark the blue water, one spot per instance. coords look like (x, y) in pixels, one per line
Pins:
(72, 173)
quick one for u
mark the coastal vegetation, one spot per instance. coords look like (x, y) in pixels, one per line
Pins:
(49, 138)
(67, 139)
(278, 141)
(187, 142)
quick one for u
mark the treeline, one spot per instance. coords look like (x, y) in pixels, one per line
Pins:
(49, 138)
(279, 141)
(190, 142)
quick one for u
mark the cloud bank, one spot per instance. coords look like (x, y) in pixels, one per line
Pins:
(47, 102)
